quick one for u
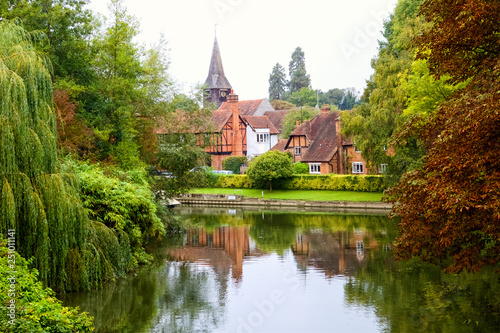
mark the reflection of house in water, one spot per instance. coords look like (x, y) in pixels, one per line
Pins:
(334, 253)
(224, 249)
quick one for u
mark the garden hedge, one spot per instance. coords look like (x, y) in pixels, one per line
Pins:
(330, 182)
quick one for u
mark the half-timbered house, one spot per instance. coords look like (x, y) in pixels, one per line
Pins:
(318, 143)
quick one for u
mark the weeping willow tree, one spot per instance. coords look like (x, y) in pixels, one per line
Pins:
(39, 202)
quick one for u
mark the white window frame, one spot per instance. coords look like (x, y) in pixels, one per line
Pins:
(382, 168)
(262, 137)
(315, 168)
(358, 167)
(297, 150)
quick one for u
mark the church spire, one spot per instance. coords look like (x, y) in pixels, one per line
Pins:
(217, 85)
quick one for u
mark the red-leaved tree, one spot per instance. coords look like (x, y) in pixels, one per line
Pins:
(450, 209)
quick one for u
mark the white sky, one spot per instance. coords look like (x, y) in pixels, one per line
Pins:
(339, 38)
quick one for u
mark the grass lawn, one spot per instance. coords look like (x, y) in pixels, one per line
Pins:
(316, 195)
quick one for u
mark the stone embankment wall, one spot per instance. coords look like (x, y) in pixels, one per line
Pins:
(222, 200)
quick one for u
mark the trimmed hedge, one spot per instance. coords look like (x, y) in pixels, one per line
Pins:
(330, 182)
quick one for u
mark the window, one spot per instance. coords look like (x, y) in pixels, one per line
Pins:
(314, 168)
(357, 167)
(262, 137)
(382, 168)
(298, 150)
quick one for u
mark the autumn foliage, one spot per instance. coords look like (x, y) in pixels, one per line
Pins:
(73, 135)
(450, 209)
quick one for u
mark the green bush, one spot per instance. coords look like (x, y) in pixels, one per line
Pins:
(36, 308)
(330, 182)
(300, 168)
(233, 181)
(234, 163)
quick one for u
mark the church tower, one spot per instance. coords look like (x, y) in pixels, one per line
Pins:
(217, 85)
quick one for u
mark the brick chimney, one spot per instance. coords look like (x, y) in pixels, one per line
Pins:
(232, 100)
(325, 109)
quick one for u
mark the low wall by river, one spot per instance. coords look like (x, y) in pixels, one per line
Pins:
(223, 200)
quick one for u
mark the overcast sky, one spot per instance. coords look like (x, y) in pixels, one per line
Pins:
(339, 38)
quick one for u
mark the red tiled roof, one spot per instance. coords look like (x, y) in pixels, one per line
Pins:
(260, 122)
(219, 119)
(276, 117)
(321, 132)
(280, 146)
(247, 108)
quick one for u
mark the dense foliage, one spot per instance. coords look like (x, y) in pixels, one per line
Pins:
(269, 167)
(35, 307)
(450, 208)
(234, 163)
(122, 202)
(37, 200)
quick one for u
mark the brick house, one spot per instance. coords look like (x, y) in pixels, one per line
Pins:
(319, 144)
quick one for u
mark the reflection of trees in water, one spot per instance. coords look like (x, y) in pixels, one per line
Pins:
(172, 298)
(128, 305)
(187, 303)
(416, 297)
(271, 234)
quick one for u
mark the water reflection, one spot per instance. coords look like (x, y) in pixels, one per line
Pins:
(241, 271)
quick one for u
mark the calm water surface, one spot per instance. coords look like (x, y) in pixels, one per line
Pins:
(247, 271)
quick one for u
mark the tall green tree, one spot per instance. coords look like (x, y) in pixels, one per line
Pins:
(374, 122)
(67, 26)
(116, 95)
(304, 97)
(277, 82)
(297, 71)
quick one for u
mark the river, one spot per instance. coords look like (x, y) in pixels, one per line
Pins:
(242, 271)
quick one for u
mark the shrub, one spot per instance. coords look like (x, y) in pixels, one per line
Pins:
(300, 168)
(330, 182)
(234, 163)
(37, 309)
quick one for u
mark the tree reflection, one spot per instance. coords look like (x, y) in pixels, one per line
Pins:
(187, 303)
(415, 297)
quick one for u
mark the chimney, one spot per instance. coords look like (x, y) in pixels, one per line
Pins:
(325, 109)
(237, 137)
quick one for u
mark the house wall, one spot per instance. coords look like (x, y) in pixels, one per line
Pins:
(298, 141)
(351, 157)
(255, 148)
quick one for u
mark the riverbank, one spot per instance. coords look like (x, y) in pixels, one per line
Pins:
(238, 200)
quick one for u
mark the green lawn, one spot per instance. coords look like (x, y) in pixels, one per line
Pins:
(316, 195)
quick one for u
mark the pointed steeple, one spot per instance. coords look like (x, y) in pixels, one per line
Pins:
(217, 85)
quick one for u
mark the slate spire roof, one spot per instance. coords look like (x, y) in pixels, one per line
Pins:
(216, 78)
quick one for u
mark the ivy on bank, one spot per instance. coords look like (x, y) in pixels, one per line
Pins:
(330, 182)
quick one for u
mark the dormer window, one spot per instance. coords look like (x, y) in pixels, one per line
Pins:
(262, 137)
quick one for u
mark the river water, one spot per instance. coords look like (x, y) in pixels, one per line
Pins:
(240, 271)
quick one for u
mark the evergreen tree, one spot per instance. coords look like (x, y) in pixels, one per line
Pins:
(277, 82)
(297, 71)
